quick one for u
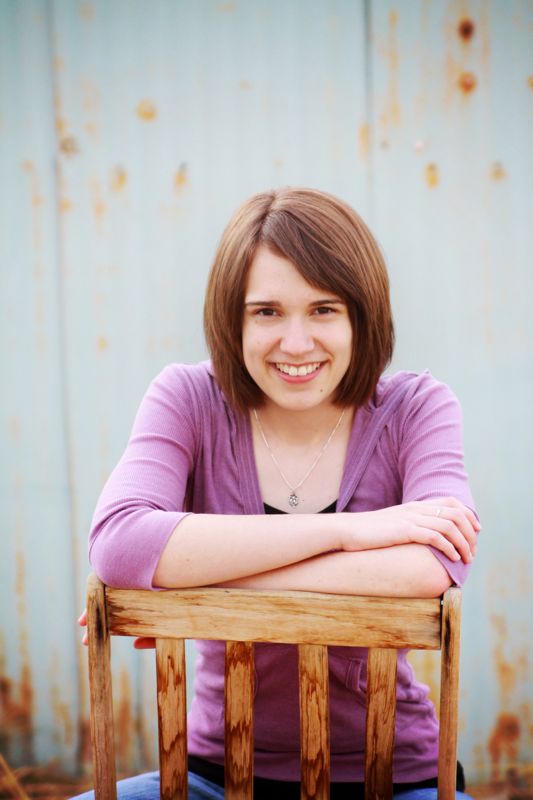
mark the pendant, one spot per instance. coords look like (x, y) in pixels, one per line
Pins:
(293, 500)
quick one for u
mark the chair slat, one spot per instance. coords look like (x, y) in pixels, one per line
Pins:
(102, 735)
(314, 721)
(449, 693)
(287, 617)
(381, 712)
(238, 698)
(172, 718)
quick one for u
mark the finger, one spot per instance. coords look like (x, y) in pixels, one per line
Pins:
(144, 643)
(454, 534)
(85, 639)
(435, 539)
(455, 515)
(82, 619)
(454, 503)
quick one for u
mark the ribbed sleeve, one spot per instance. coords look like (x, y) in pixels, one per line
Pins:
(431, 461)
(144, 498)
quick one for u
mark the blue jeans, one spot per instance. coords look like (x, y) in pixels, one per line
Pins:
(146, 787)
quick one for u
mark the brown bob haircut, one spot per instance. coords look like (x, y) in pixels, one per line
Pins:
(332, 248)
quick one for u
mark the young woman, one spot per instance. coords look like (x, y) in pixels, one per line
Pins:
(291, 462)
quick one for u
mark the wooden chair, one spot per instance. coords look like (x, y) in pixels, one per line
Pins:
(241, 617)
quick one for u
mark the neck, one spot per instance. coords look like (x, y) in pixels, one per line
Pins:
(302, 426)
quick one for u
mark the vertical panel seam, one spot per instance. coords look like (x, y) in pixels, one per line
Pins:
(63, 383)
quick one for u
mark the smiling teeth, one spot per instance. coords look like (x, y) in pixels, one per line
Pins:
(305, 369)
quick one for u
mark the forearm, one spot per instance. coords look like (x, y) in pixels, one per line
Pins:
(205, 549)
(407, 570)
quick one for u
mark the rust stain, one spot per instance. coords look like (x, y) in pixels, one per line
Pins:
(62, 714)
(466, 29)
(102, 344)
(98, 202)
(394, 109)
(497, 172)
(65, 205)
(278, 162)
(431, 174)
(503, 742)
(363, 139)
(146, 111)
(226, 8)
(58, 63)
(530, 81)
(426, 664)
(87, 12)
(181, 178)
(84, 754)
(245, 85)
(91, 129)
(467, 82)
(69, 145)
(61, 126)
(119, 178)
(91, 96)
(124, 721)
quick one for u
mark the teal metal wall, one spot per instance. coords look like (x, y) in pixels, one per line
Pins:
(129, 131)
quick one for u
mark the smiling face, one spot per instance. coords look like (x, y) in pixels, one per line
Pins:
(296, 339)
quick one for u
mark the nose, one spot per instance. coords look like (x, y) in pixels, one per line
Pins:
(296, 339)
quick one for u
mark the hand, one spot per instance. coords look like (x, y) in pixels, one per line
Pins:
(445, 524)
(140, 643)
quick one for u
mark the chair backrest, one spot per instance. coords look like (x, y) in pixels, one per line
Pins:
(241, 617)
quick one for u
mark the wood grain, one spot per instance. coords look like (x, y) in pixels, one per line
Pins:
(238, 699)
(314, 721)
(449, 693)
(172, 718)
(102, 733)
(289, 617)
(381, 712)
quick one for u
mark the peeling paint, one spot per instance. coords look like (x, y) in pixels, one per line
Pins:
(467, 82)
(146, 111)
(181, 178)
(87, 12)
(497, 172)
(466, 29)
(363, 140)
(69, 145)
(431, 175)
(503, 743)
(119, 178)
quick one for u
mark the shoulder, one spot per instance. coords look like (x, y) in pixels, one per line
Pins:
(413, 396)
(189, 382)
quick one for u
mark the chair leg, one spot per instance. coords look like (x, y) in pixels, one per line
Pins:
(449, 693)
(102, 734)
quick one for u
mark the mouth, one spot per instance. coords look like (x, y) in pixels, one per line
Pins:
(298, 370)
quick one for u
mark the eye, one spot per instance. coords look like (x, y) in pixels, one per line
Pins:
(324, 310)
(266, 312)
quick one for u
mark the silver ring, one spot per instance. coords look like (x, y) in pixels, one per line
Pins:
(438, 512)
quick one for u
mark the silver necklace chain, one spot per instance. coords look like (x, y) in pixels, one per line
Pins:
(293, 497)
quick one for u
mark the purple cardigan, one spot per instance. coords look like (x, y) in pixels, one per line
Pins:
(190, 452)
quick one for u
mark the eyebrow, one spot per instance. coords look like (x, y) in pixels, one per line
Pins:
(271, 303)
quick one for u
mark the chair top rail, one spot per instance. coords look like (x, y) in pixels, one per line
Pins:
(279, 617)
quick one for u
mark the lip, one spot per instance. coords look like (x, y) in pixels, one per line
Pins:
(297, 378)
